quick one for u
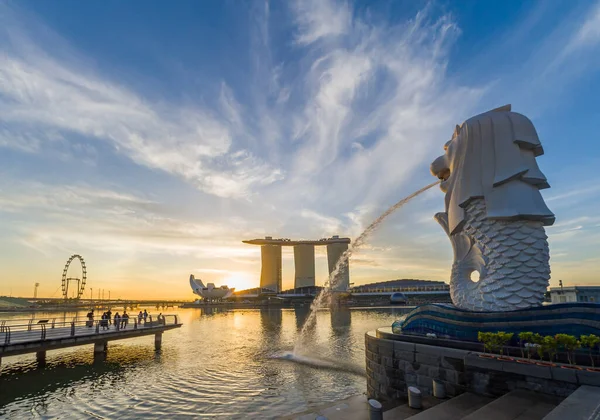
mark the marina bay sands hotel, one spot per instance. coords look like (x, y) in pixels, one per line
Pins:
(304, 261)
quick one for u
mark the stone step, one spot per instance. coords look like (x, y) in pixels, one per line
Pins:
(353, 408)
(403, 412)
(518, 404)
(582, 404)
(453, 409)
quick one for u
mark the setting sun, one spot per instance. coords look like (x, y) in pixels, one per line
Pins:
(239, 281)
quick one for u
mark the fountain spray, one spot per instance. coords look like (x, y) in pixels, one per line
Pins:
(342, 262)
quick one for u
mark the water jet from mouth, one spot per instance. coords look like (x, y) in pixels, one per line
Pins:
(342, 263)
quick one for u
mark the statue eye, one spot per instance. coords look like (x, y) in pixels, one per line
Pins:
(447, 144)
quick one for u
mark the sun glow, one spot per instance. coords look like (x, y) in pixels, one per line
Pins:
(240, 280)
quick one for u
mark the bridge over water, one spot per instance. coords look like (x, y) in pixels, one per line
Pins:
(29, 336)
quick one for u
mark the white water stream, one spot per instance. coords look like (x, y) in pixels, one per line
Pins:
(323, 297)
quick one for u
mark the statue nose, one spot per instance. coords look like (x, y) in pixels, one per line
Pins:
(438, 165)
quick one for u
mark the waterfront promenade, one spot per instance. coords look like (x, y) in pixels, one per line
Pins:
(39, 336)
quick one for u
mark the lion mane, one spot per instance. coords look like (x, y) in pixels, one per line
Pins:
(493, 156)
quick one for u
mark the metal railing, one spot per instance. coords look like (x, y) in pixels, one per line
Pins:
(30, 322)
(52, 329)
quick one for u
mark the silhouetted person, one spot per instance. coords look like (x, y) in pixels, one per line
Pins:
(109, 314)
(145, 315)
(117, 321)
(104, 321)
(90, 317)
(140, 316)
(124, 320)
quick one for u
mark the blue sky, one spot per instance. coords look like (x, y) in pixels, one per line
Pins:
(152, 138)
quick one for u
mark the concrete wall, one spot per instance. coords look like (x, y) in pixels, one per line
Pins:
(304, 263)
(394, 365)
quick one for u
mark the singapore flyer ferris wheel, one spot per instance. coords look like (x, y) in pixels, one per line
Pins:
(66, 280)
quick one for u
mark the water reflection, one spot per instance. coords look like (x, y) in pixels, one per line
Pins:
(301, 314)
(217, 365)
(310, 331)
(211, 310)
(342, 344)
(270, 321)
(25, 379)
(269, 374)
(340, 319)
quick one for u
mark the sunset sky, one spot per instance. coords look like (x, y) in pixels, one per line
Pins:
(153, 137)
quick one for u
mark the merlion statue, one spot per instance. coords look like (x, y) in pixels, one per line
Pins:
(495, 214)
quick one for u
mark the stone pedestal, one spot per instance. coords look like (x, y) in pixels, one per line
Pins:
(395, 363)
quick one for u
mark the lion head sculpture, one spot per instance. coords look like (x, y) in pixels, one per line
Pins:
(493, 156)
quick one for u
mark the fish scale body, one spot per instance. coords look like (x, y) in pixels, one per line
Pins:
(512, 258)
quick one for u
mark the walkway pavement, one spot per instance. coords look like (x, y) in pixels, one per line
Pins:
(23, 336)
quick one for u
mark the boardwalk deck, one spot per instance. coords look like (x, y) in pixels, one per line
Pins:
(39, 338)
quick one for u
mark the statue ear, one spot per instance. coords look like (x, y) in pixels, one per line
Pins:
(524, 134)
(508, 160)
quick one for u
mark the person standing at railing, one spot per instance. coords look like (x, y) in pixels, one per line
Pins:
(90, 317)
(117, 321)
(145, 315)
(109, 315)
(160, 318)
(140, 316)
(104, 321)
(124, 320)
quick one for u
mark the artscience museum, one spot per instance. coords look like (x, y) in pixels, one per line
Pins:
(210, 291)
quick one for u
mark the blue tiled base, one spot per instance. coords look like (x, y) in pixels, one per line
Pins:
(450, 322)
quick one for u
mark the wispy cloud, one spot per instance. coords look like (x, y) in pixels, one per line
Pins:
(314, 141)
(588, 34)
(41, 95)
(318, 19)
(569, 49)
(318, 149)
(84, 217)
(574, 192)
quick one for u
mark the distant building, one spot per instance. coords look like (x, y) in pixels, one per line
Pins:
(255, 292)
(304, 261)
(270, 273)
(335, 252)
(402, 285)
(386, 288)
(210, 291)
(304, 291)
(589, 294)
